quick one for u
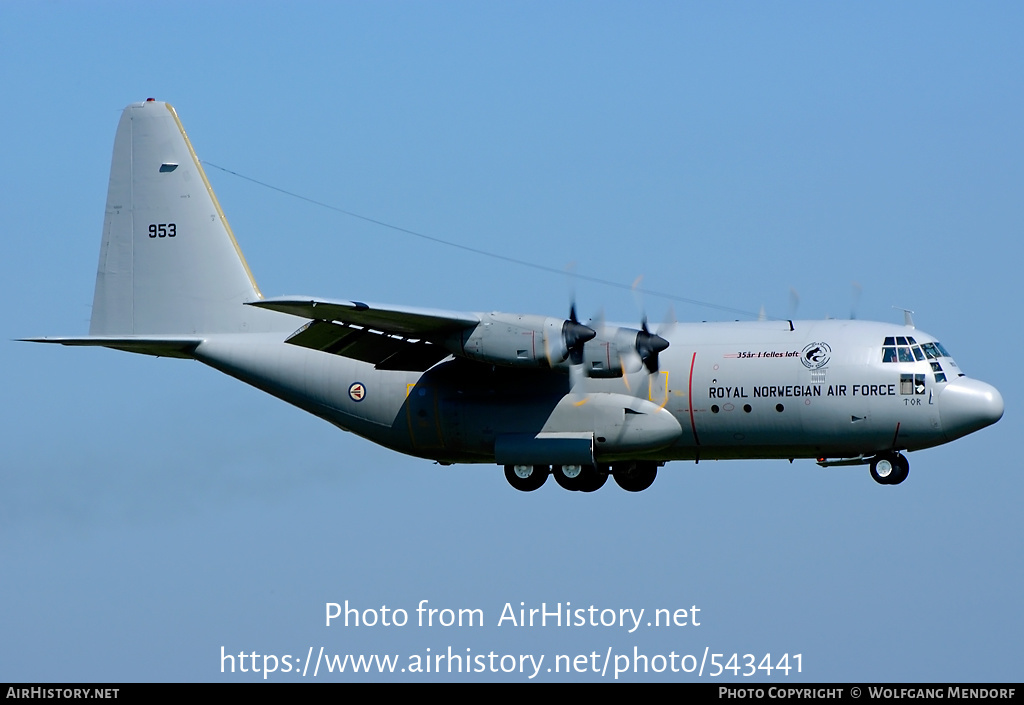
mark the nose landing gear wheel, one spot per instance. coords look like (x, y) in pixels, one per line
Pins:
(526, 478)
(889, 468)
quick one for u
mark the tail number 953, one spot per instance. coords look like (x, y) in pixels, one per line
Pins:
(163, 230)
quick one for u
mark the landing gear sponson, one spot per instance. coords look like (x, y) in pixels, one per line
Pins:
(631, 476)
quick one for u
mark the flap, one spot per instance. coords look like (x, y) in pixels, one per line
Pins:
(386, 352)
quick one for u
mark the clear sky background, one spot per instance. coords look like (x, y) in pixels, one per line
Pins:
(817, 159)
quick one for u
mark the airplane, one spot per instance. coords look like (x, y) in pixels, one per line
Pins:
(536, 395)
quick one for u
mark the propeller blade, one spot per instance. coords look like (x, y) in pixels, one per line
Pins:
(857, 291)
(575, 335)
(648, 346)
(669, 322)
(578, 383)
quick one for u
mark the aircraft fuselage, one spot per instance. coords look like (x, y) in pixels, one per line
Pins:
(733, 390)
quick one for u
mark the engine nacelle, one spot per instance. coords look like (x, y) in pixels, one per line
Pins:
(519, 340)
(612, 353)
(616, 351)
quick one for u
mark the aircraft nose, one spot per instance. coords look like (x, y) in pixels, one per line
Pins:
(966, 405)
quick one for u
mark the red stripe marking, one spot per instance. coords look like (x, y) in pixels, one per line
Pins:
(693, 426)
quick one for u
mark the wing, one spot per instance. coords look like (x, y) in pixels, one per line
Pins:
(389, 337)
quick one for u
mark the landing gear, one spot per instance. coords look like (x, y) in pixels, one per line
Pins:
(889, 468)
(526, 478)
(593, 479)
(635, 476)
(579, 478)
(630, 476)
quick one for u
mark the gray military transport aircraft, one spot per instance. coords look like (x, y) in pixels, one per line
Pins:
(538, 395)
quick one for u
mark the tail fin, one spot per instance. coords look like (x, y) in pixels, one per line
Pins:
(169, 263)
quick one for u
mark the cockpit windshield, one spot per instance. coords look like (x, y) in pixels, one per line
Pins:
(906, 349)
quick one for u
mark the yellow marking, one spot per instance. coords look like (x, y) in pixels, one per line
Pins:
(650, 389)
(408, 388)
(625, 376)
(216, 203)
(409, 424)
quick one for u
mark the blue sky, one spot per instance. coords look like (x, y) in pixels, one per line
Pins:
(815, 159)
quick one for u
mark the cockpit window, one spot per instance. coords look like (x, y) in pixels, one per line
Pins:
(906, 349)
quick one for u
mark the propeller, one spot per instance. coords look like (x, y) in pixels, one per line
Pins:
(575, 335)
(649, 345)
(857, 291)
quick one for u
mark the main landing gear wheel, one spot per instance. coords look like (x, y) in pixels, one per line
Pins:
(526, 478)
(889, 468)
(579, 478)
(568, 476)
(593, 478)
(635, 477)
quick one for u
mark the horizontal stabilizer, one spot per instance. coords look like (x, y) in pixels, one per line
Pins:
(145, 345)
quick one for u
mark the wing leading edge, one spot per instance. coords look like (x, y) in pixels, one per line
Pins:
(389, 337)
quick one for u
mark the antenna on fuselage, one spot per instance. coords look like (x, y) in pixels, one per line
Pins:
(908, 317)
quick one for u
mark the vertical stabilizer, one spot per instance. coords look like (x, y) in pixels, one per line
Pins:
(169, 263)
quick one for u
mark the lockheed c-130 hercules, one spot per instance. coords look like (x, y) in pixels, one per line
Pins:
(538, 395)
